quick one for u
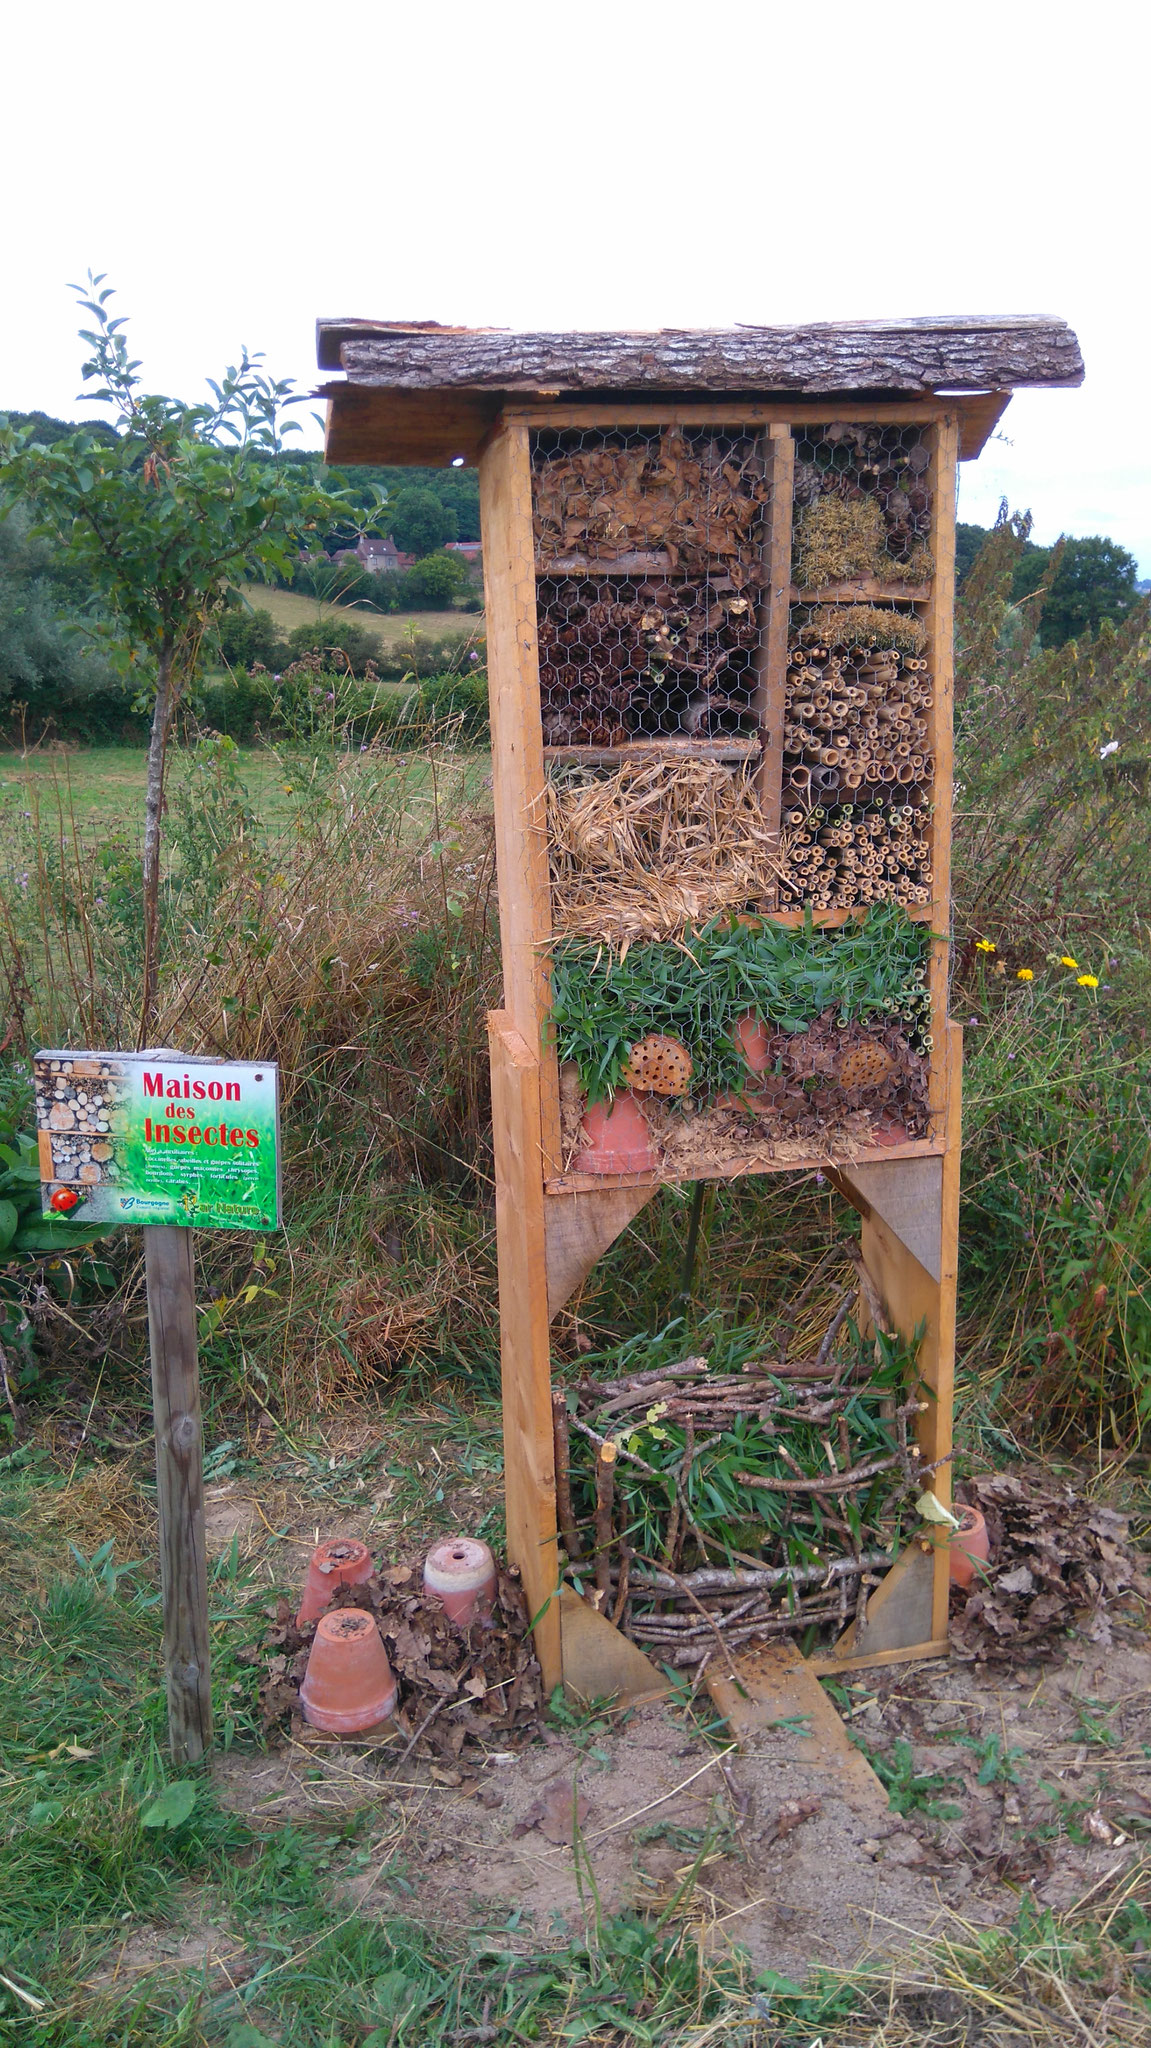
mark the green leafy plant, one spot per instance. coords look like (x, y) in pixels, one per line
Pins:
(872, 969)
(908, 1790)
(997, 1761)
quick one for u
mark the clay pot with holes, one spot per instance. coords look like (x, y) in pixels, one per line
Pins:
(348, 1685)
(866, 1067)
(970, 1547)
(341, 1562)
(461, 1572)
(615, 1138)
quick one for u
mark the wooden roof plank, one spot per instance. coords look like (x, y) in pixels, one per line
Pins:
(975, 353)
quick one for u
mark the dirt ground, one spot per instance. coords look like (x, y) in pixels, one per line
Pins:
(754, 1846)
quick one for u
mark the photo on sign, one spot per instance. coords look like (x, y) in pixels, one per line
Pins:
(157, 1138)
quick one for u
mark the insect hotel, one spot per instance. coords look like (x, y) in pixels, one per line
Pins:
(719, 573)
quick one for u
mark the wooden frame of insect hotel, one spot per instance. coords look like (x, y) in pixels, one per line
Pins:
(719, 574)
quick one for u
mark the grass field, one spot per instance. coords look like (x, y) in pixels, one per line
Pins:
(101, 789)
(290, 608)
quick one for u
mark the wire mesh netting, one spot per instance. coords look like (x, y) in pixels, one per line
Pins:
(858, 766)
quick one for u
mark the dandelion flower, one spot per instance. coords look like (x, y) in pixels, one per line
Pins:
(984, 946)
(1065, 960)
(1088, 981)
(1025, 974)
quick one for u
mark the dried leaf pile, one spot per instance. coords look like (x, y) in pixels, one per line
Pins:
(1058, 1561)
(695, 498)
(460, 1688)
(655, 846)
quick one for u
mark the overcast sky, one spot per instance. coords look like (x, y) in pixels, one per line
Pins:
(240, 169)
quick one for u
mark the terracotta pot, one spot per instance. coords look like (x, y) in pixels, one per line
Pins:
(753, 1040)
(970, 1547)
(342, 1562)
(461, 1572)
(348, 1684)
(616, 1138)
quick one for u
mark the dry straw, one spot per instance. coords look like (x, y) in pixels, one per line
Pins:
(840, 538)
(865, 625)
(639, 853)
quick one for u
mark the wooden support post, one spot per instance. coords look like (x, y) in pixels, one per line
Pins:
(943, 441)
(179, 1488)
(771, 680)
(525, 1346)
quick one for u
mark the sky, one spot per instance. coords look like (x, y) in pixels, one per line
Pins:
(240, 169)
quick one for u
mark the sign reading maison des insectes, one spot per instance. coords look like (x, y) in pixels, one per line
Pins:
(155, 1138)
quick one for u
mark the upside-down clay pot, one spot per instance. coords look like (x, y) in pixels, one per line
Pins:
(616, 1138)
(461, 1571)
(342, 1562)
(753, 1041)
(348, 1684)
(970, 1547)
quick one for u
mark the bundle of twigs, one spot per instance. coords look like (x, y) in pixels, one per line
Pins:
(641, 852)
(682, 1589)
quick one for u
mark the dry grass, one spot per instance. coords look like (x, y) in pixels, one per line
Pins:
(840, 538)
(657, 845)
(864, 625)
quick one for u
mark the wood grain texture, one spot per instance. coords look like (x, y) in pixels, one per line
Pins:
(168, 1261)
(774, 1685)
(962, 354)
(940, 618)
(580, 1227)
(898, 1616)
(771, 659)
(367, 423)
(517, 753)
(908, 1195)
(525, 1349)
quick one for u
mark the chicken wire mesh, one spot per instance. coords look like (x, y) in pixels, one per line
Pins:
(858, 763)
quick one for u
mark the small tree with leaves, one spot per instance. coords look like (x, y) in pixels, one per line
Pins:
(187, 501)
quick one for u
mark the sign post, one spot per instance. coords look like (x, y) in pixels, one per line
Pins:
(175, 1144)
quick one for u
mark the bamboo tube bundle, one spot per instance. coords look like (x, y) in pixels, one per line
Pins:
(857, 740)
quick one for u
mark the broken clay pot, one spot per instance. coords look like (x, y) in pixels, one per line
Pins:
(461, 1572)
(616, 1138)
(970, 1547)
(341, 1562)
(753, 1040)
(348, 1685)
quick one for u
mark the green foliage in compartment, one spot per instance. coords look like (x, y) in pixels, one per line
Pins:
(872, 970)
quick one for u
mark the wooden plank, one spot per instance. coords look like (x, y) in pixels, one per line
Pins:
(378, 426)
(771, 659)
(579, 1229)
(972, 353)
(908, 1194)
(517, 753)
(834, 1667)
(179, 1488)
(656, 750)
(911, 1296)
(733, 1169)
(861, 588)
(525, 1350)
(600, 1663)
(426, 427)
(898, 1616)
(772, 1685)
(942, 441)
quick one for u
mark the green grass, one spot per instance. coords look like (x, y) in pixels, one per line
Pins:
(291, 608)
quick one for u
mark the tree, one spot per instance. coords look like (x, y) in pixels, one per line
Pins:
(1096, 580)
(186, 501)
(420, 523)
(436, 581)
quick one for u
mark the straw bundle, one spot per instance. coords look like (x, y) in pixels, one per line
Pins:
(639, 853)
(865, 625)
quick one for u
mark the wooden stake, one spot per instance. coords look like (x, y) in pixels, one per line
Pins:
(179, 1488)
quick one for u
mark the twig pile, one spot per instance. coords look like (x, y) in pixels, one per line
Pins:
(657, 845)
(657, 1504)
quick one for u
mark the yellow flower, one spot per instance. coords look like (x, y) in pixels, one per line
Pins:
(1088, 981)
(1024, 974)
(1065, 960)
(984, 946)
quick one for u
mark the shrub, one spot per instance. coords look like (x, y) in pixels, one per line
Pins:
(343, 643)
(437, 581)
(245, 636)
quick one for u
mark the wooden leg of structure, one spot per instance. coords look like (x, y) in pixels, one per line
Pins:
(525, 1348)
(909, 1243)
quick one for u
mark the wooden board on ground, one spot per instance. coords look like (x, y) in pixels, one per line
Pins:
(775, 1685)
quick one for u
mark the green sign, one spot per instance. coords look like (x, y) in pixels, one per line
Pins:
(137, 1137)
